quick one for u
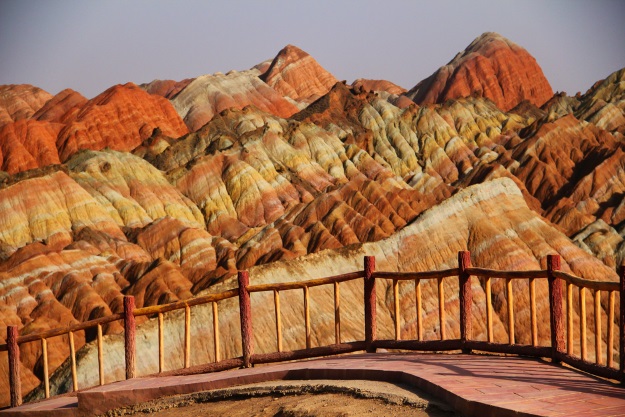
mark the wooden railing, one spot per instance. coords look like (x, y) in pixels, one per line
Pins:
(561, 349)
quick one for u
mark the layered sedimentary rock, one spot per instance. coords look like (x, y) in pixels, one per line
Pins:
(132, 191)
(491, 67)
(28, 144)
(120, 118)
(61, 107)
(490, 220)
(48, 209)
(604, 104)
(297, 194)
(208, 95)
(377, 85)
(20, 101)
(166, 88)
(296, 74)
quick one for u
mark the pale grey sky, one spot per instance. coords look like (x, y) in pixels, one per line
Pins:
(92, 45)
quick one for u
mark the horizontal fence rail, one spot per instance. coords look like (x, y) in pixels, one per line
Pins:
(568, 298)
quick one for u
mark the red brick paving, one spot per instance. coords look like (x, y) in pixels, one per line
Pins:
(475, 385)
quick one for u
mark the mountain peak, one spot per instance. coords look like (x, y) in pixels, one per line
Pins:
(296, 74)
(491, 66)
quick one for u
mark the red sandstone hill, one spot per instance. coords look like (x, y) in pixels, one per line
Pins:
(166, 88)
(492, 67)
(61, 107)
(295, 74)
(120, 118)
(19, 102)
(313, 175)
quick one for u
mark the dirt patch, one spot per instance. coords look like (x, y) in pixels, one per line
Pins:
(325, 398)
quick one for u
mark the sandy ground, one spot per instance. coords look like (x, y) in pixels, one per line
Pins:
(327, 398)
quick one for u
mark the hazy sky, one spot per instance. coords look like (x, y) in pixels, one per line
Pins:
(92, 45)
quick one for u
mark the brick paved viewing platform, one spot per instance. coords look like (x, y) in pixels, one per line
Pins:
(474, 385)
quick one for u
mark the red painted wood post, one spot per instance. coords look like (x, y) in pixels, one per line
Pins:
(622, 329)
(15, 385)
(371, 326)
(129, 335)
(466, 298)
(245, 308)
(555, 308)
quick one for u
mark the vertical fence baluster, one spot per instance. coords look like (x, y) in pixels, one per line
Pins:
(610, 346)
(441, 307)
(466, 298)
(510, 298)
(489, 311)
(598, 358)
(569, 318)
(72, 355)
(187, 336)
(46, 378)
(555, 307)
(245, 308)
(622, 324)
(396, 309)
(582, 323)
(216, 332)
(417, 288)
(161, 344)
(370, 304)
(129, 335)
(533, 312)
(276, 303)
(100, 356)
(337, 313)
(15, 383)
(307, 317)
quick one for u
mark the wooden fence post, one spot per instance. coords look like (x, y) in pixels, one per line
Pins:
(129, 335)
(15, 385)
(245, 308)
(466, 298)
(371, 327)
(622, 329)
(555, 308)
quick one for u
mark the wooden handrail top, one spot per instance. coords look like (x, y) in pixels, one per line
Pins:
(493, 273)
(443, 273)
(178, 305)
(586, 283)
(59, 331)
(302, 284)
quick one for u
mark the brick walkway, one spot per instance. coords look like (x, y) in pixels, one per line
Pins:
(474, 385)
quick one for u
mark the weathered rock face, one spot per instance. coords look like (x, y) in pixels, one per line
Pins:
(295, 74)
(21, 101)
(491, 67)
